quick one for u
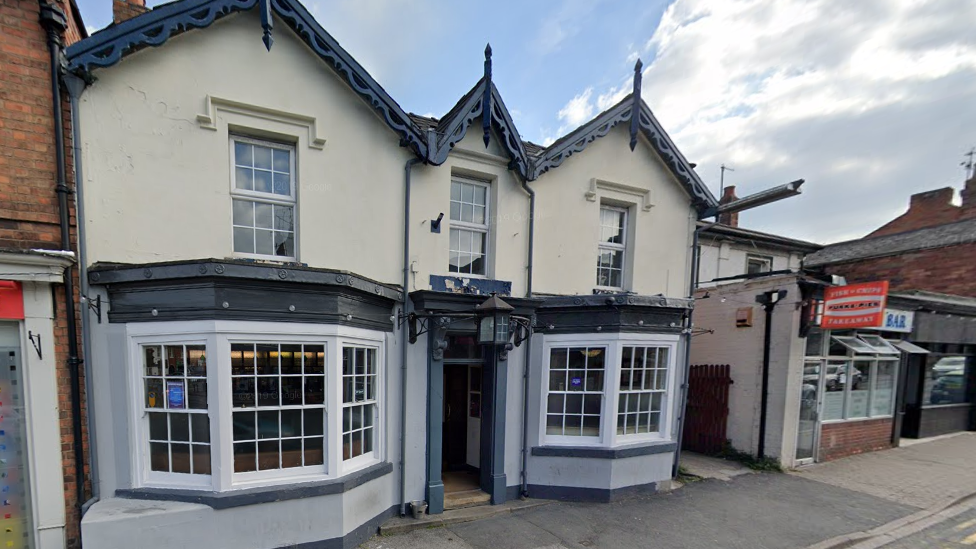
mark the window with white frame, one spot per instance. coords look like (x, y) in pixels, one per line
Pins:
(224, 404)
(592, 385)
(278, 400)
(643, 389)
(175, 408)
(612, 248)
(575, 391)
(263, 195)
(358, 401)
(470, 212)
(756, 264)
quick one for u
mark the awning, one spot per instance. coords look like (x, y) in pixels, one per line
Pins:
(909, 348)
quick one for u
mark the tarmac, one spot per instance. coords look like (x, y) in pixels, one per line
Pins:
(870, 500)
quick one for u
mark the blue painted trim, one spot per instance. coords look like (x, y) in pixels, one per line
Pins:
(471, 286)
(267, 23)
(264, 494)
(579, 140)
(600, 495)
(486, 113)
(484, 101)
(107, 47)
(605, 453)
(634, 118)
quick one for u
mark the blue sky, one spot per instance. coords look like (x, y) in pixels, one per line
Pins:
(869, 101)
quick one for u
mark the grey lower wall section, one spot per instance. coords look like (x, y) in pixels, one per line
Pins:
(328, 521)
(606, 453)
(263, 494)
(601, 495)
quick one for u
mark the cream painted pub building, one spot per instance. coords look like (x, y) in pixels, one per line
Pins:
(287, 270)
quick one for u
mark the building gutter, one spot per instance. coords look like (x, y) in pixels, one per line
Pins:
(528, 347)
(404, 334)
(54, 22)
(75, 87)
(692, 286)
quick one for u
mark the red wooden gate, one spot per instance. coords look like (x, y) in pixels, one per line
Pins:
(708, 408)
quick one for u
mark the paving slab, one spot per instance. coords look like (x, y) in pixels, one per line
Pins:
(921, 475)
(757, 511)
(712, 467)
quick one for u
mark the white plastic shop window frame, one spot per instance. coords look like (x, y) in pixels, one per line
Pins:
(614, 344)
(218, 336)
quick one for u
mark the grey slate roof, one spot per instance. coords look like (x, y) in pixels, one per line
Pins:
(950, 234)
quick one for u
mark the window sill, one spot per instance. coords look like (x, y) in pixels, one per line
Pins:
(263, 494)
(633, 450)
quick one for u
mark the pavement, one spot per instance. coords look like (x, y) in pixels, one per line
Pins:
(868, 501)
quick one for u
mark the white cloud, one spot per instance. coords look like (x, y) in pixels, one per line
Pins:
(870, 101)
(578, 110)
(565, 22)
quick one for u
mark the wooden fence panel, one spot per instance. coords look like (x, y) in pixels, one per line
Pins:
(708, 408)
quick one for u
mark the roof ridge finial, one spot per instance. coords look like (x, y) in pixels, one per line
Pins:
(267, 23)
(486, 101)
(636, 102)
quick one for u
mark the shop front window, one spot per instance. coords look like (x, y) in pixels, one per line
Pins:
(859, 374)
(948, 380)
(226, 407)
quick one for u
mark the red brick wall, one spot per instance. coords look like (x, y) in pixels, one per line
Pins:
(28, 201)
(950, 270)
(839, 440)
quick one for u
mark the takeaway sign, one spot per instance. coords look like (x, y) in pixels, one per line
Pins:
(855, 306)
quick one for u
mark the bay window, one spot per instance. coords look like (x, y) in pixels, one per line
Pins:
(222, 404)
(605, 390)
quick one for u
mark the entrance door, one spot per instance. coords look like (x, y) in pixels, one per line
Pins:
(913, 390)
(806, 436)
(455, 431)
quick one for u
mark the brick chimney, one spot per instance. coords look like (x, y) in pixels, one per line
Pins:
(928, 209)
(730, 219)
(123, 10)
(969, 199)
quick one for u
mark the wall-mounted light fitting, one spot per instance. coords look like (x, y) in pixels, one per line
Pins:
(435, 224)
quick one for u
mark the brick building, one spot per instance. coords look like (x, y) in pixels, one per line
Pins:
(39, 394)
(927, 256)
(930, 247)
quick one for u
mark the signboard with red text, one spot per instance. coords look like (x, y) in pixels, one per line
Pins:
(855, 306)
(11, 300)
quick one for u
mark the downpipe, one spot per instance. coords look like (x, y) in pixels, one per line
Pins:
(404, 334)
(528, 349)
(75, 86)
(54, 22)
(692, 286)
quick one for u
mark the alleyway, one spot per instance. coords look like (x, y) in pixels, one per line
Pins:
(762, 510)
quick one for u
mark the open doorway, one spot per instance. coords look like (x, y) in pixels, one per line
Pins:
(461, 444)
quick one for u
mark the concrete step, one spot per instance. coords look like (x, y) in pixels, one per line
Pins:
(402, 525)
(467, 498)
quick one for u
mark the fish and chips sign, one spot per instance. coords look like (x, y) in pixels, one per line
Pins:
(855, 306)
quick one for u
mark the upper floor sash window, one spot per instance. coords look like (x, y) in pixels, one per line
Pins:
(612, 248)
(263, 194)
(469, 227)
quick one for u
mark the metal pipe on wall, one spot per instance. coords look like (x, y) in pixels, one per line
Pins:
(528, 348)
(692, 286)
(768, 301)
(54, 22)
(404, 335)
(75, 86)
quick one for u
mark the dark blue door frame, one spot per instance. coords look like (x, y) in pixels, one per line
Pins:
(494, 382)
